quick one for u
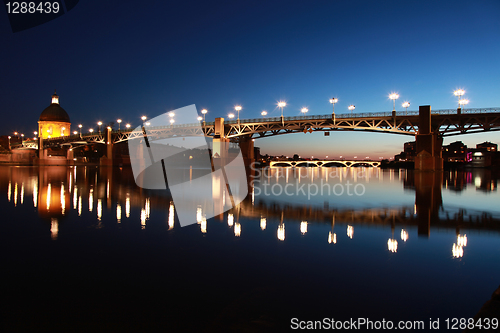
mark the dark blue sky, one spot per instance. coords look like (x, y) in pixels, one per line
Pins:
(123, 59)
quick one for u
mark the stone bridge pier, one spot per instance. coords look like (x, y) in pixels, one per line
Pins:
(429, 144)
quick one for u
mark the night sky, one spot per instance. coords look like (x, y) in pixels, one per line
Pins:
(124, 59)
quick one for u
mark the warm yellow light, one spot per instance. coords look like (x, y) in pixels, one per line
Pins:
(119, 121)
(127, 126)
(200, 118)
(263, 223)
(459, 92)
(333, 100)
(80, 126)
(304, 110)
(351, 107)
(147, 123)
(230, 219)
(332, 237)
(264, 113)
(303, 227)
(171, 114)
(231, 116)
(99, 123)
(91, 130)
(404, 235)
(75, 132)
(204, 111)
(237, 229)
(171, 121)
(281, 104)
(392, 245)
(281, 232)
(144, 118)
(350, 229)
(463, 102)
(406, 104)
(457, 251)
(394, 96)
(237, 108)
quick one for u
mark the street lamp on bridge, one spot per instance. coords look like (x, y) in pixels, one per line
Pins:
(119, 121)
(333, 101)
(231, 116)
(238, 109)
(406, 105)
(463, 102)
(200, 118)
(394, 97)
(80, 127)
(304, 111)
(351, 108)
(127, 126)
(204, 111)
(281, 105)
(263, 113)
(99, 123)
(459, 93)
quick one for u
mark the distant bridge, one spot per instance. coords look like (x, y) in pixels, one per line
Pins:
(329, 163)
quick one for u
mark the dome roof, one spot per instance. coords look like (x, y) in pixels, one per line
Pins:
(54, 112)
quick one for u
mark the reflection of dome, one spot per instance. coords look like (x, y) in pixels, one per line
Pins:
(54, 112)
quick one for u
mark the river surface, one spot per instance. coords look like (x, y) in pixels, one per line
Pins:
(85, 249)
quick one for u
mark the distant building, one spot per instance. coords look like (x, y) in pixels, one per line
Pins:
(54, 121)
(487, 146)
(455, 152)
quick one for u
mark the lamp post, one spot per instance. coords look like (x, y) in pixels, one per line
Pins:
(231, 116)
(304, 111)
(80, 127)
(119, 121)
(238, 109)
(91, 130)
(281, 105)
(204, 112)
(459, 93)
(463, 102)
(264, 114)
(9, 141)
(351, 108)
(406, 105)
(394, 97)
(333, 101)
(127, 126)
(200, 118)
(99, 123)
(22, 138)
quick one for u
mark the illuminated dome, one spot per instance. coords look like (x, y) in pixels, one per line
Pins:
(54, 112)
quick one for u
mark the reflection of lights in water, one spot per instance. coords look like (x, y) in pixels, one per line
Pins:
(223, 197)
(54, 228)
(203, 225)
(230, 219)
(49, 191)
(350, 231)
(198, 215)
(457, 251)
(118, 213)
(263, 223)
(22, 193)
(303, 227)
(80, 205)
(15, 194)
(107, 190)
(253, 196)
(415, 209)
(171, 215)
(281, 232)
(477, 181)
(35, 194)
(91, 199)
(404, 235)
(143, 218)
(237, 229)
(147, 207)
(127, 206)
(99, 209)
(332, 238)
(63, 200)
(392, 245)
(75, 197)
(462, 240)
(9, 191)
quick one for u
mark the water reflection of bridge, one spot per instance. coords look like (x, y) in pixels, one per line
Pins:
(57, 190)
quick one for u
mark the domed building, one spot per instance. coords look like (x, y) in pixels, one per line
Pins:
(54, 121)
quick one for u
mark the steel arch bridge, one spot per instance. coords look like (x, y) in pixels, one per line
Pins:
(443, 122)
(327, 163)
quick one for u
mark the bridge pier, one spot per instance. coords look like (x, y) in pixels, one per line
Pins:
(428, 199)
(108, 159)
(429, 144)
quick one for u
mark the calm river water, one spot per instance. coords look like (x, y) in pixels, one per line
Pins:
(85, 249)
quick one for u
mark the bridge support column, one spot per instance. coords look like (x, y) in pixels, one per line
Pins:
(108, 159)
(429, 145)
(70, 156)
